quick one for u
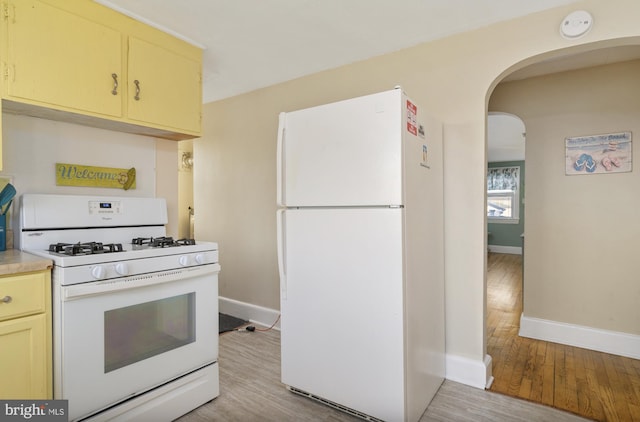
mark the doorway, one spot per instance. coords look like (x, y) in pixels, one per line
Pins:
(577, 379)
(505, 182)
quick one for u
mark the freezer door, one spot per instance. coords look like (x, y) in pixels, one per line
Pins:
(342, 307)
(344, 153)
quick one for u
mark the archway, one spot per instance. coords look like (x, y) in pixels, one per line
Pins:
(579, 121)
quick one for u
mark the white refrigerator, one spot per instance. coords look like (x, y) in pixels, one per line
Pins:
(360, 255)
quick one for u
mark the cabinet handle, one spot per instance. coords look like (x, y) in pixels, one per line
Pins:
(6, 299)
(137, 96)
(115, 84)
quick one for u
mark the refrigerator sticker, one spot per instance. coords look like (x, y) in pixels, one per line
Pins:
(412, 111)
(425, 156)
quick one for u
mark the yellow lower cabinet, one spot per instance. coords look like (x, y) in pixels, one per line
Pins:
(24, 359)
(25, 336)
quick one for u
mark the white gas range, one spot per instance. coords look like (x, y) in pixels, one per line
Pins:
(135, 312)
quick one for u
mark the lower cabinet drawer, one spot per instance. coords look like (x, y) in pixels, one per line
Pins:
(22, 295)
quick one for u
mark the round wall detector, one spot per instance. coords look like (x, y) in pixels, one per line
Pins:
(576, 24)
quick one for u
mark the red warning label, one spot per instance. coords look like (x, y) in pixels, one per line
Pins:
(412, 111)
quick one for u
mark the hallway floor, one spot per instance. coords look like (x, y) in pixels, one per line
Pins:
(595, 385)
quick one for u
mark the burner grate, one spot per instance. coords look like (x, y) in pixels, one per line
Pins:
(86, 248)
(161, 242)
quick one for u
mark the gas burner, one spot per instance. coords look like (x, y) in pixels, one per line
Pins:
(182, 242)
(86, 248)
(161, 242)
(139, 241)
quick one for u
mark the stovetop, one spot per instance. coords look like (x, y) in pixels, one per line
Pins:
(94, 253)
(138, 243)
(96, 238)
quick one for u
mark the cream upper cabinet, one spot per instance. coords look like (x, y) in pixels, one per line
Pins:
(60, 59)
(164, 87)
(81, 62)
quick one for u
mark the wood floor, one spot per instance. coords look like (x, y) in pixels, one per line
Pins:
(598, 386)
(250, 390)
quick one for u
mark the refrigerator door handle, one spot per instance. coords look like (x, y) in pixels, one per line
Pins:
(282, 269)
(280, 161)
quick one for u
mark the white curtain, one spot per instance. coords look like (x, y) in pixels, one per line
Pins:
(503, 178)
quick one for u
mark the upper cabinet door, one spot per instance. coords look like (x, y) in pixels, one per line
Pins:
(60, 59)
(164, 87)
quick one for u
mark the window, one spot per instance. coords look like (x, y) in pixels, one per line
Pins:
(503, 196)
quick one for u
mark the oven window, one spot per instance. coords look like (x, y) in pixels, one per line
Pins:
(144, 330)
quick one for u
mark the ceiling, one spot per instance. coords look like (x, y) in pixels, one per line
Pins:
(251, 44)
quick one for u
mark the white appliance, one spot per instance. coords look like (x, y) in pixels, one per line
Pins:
(135, 314)
(360, 251)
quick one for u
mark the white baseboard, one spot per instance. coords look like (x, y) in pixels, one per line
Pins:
(513, 250)
(613, 342)
(469, 371)
(252, 313)
(459, 369)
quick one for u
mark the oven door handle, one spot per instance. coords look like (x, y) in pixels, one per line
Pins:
(77, 291)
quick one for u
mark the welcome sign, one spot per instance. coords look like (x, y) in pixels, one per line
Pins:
(90, 176)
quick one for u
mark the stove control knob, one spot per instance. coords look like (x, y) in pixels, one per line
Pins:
(200, 259)
(98, 272)
(184, 260)
(122, 268)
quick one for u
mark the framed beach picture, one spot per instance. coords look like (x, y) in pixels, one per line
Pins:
(598, 154)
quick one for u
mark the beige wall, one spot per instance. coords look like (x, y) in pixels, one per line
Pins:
(185, 190)
(450, 78)
(167, 180)
(32, 146)
(582, 231)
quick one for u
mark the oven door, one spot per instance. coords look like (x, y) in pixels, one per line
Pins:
(120, 338)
